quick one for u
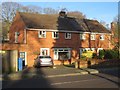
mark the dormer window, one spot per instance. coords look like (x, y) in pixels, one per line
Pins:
(42, 34)
(82, 36)
(92, 36)
(67, 35)
(102, 37)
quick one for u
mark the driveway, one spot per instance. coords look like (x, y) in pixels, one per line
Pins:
(56, 71)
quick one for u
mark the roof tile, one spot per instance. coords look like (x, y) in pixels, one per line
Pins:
(53, 21)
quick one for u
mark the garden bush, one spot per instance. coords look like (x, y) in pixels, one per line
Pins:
(111, 54)
(101, 54)
(94, 55)
(87, 54)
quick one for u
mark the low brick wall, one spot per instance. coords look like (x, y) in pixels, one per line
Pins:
(94, 63)
(61, 62)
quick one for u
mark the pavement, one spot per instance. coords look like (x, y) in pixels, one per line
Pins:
(56, 71)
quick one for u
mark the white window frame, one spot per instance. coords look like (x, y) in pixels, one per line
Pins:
(43, 34)
(41, 49)
(16, 37)
(82, 36)
(92, 36)
(55, 35)
(102, 37)
(68, 35)
(55, 55)
(99, 49)
(57, 50)
(92, 49)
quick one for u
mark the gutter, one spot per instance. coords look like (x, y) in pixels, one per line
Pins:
(51, 30)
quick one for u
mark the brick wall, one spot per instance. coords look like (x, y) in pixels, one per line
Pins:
(17, 26)
(33, 43)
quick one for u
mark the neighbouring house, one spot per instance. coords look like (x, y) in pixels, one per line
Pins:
(60, 36)
(115, 35)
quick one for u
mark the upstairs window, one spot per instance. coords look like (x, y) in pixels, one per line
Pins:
(92, 36)
(102, 37)
(82, 36)
(16, 36)
(42, 34)
(55, 35)
(67, 35)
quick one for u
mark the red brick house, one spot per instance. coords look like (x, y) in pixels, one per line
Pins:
(59, 36)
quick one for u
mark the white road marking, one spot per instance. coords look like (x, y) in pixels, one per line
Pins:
(59, 83)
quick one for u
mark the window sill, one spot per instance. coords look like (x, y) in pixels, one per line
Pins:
(55, 38)
(67, 38)
(101, 39)
(82, 39)
(42, 37)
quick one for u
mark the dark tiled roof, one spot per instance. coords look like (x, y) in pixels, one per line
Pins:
(39, 21)
(95, 26)
(44, 21)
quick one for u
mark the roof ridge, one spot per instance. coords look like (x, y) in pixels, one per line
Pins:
(91, 19)
(37, 13)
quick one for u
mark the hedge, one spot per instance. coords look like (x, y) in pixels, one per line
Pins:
(108, 54)
(111, 54)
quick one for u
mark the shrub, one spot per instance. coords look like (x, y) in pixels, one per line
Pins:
(87, 54)
(101, 54)
(94, 55)
(83, 57)
(111, 54)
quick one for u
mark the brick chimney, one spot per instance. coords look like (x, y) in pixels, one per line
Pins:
(112, 28)
(62, 14)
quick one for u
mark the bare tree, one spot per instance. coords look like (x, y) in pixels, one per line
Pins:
(9, 10)
(33, 9)
(105, 24)
(115, 37)
(76, 14)
(24, 9)
(49, 11)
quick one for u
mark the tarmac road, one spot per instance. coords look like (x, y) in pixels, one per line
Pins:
(100, 80)
(77, 81)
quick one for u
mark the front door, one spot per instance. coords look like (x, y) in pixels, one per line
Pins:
(23, 56)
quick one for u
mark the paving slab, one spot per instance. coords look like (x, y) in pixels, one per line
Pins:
(91, 71)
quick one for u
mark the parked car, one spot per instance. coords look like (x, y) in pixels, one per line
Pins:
(43, 61)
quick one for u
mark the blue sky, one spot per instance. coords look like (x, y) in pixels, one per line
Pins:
(104, 11)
